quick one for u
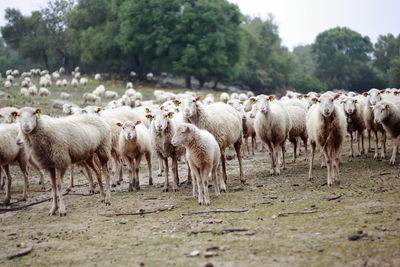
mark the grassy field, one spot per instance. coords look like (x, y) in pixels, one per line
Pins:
(367, 200)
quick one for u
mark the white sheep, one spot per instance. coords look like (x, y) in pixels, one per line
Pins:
(77, 75)
(5, 114)
(55, 75)
(221, 120)
(139, 96)
(209, 99)
(97, 77)
(299, 129)
(129, 85)
(57, 143)
(203, 155)
(134, 143)
(58, 83)
(10, 78)
(90, 98)
(24, 92)
(99, 91)
(64, 96)
(71, 110)
(272, 124)
(61, 70)
(388, 115)
(33, 90)
(326, 126)
(111, 95)
(44, 92)
(242, 97)
(74, 82)
(83, 81)
(224, 97)
(7, 84)
(64, 82)
(149, 76)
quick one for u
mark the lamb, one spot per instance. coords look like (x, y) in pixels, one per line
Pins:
(97, 77)
(89, 97)
(44, 92)
(10, 152)
(7, 84)
(374, 96)
(74, 82)
(55, 75)
(272, 124)
(134, 142)
(221, 120)
(354, 111)
(299, 129)
(58, 83)
(57, 143)
(388, 115)
(203, 155)
(129, 85)
(83, 81)
(326, 126)
(64, 82)
(24, 92)
(111, 95)
(162, 128)
(64, 96)
(224, 97)
(99, 91)
(33, 90)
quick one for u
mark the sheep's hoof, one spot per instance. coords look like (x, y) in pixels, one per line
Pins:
(23, 199)
(113, 185)
(151, 182)
(376, 156)
(91, 192)
(40, 182)
(52, 211)
(159, 174)
(165, 190)
(7, 202)
(119, 182)
(62, 213)
(351, 156)
(174, 190)
(392, 162)
(243, 181)
(43, 188)
(130, 188)
(223, 190)
(68, 189)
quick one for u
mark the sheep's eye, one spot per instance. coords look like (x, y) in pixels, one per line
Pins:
(182, 132)
(194, 101)
(166, 116)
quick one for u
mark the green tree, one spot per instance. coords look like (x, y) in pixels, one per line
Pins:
(10, 59)
(342, 55)
(394, 72)
(386, 54)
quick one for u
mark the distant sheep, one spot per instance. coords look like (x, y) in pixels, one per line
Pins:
(64, 96)
(44, 92)
(111, 95)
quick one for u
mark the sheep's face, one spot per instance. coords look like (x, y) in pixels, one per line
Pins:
(327, 103)
(129, 129)
(253, 111)
(381, 112)
(263, 105)
(67, 109)
(27, 118)
(189, 106)
(374, 96)
(20, 139)
(350, 105)
(182, 135)
(6, 117)
(161, 119)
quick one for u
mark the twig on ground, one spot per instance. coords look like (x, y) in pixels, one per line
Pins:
(138, 213)
(282, 214)
(333, 197)
(213, 211)
(222, 232)
(21, 253)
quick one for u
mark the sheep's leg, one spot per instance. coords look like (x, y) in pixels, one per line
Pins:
(247, 146)
(137, 181)
(351, 154)
(166, 182)
(394, 152)
(323, 161)
(23, 166)
(195, 176)
(376, 145)
(304, 139)
(106, 172)
(59, 181)
(278, 159)
(237, 146)
(214, 179)
(336, 166)
(328, 167)
(200, 188)
(272, 152)
(189, 178)
(362, 143)
(222, 184)
(90, 163)
(223, 165)
(294, 150)
(174, 166)
(41, 173)
(2, 179)
(204, 181)
(148, 159)
(383, 145)
(131, 163)
(71, 184)
(369, 140)
(6, 169)
(310, 170)
(53, 179)
(89, 178)
(160, 166)
(253, 144)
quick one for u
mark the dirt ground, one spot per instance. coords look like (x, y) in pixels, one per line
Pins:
(367, 200)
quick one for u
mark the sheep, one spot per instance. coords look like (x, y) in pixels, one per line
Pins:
(5, 114)
(99, 91)
(24, 92)
(44, 92)
(273, 124)
(373, 97)
(139, 96)
(129, 101)
(25, 83)
(8, 72)
(57, 143)
(64, 96)
(209, 99)
(74, 82)
(221, 120)
(10, 152)
(326, 126)
(129, 85)
(55, 75)
(61, 70)
(234, 96)
(89, 97)
(130, 92)
(97, 77)
(64, 82)
(163, 126)
(149, 76)
(134, 142)
(354, 111)
(77, 69)
(70, 110)
(203, 155)
(44, 81)
(224, 97)
(242, 97)
(388, 115)
(58, 83)
(33, 90)
(111, 95)
(7, 84)
(77, 75)
(10, 78)
(83, 81)
(298, 130)
(249, 131)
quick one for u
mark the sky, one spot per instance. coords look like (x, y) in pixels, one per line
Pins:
(299, 21)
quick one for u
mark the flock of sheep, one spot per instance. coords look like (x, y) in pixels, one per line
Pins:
(187, 127)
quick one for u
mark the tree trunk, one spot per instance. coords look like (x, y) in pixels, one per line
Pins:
(215, 84)
(201, 82)
(188, 83)
(45, 59)
(65, 59)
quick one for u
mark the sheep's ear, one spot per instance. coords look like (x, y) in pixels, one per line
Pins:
(355, 101)
(252, 100)
(271, 98)
(1, 116)
(149, 117)
(119, 124)
(176, 102)
(382, 91)
(14, 115)
(342, 102)
(98, 110)
(387, 107)
(177, 110)
(365, 94)
(147, 110)
(170, 114)
(314, 100)
(137, 123)
(395, 93)
(162, 108)
(336, 96)
(38, 111)
(198, 98)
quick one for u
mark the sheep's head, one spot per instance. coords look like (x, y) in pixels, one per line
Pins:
(129, 129)
(349, 105)
(6, 117)
(189, 106)
(183, 135)
(263, 104)
(381, 111)
(374, 96)
(327, 103)
(160, 119)
(27, 118)
(67, 109)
